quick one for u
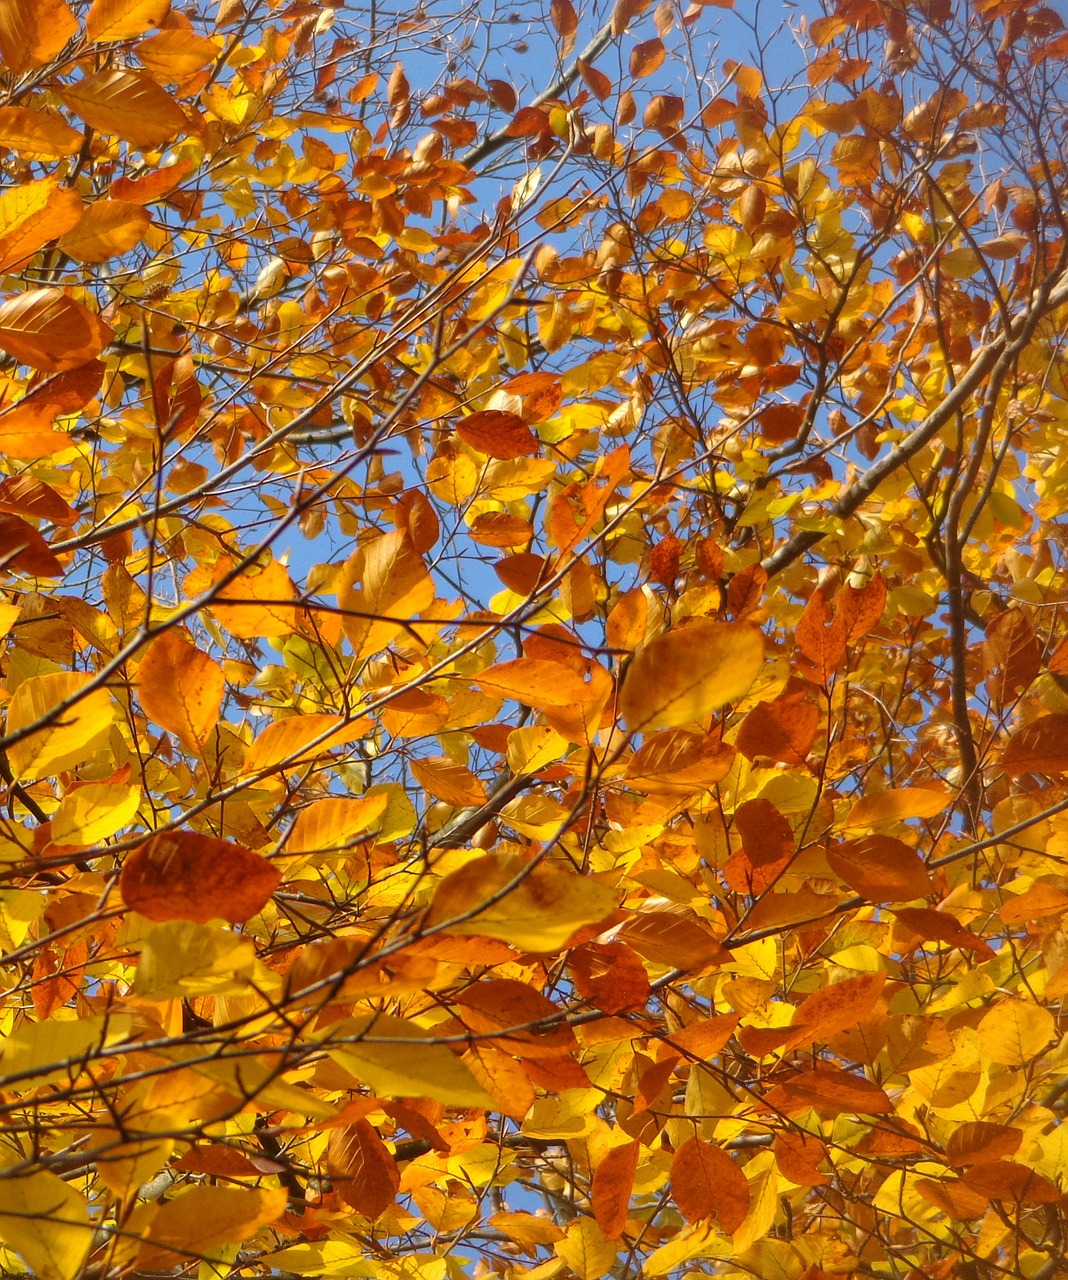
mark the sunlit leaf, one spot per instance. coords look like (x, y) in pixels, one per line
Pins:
(181, 875)
(687, 673)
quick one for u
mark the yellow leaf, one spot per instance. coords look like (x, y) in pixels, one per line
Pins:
(684, 675)
(69, 735)
(585, 1250)
(394, 587)
(37, 133)
(32, 32)
(124, 1166)
(32, 214)
(38, 1046)
(298, 740)
(123, 19)
(93, 812)
(535, 908)
(331, 826)
(257, 604)
(106, 229)
(126, 104)
(175, 54)
(1014, 1032)
(181, 958)
(534, 747)
(399, 1060)
(204, 1219)
(897, 804)
(181, 688)
(47, 1223)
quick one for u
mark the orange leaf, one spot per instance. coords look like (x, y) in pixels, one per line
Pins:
(942, 927)
(127, 104)
(1012, 656)
(122, 19)
(62, 393)
(394, 588)
(676, 941)
(647, 57)
(363, 1171)
(835, 1008)
(783, 730)
(685, 674)
(38, 133)
(257, 604)
(1039, 747)
(707, 1183)
(26, 496)
(821, 641)
(448, 781)
(797, 1154)
(897, 804)
(536, 682)
(678, 761)
(498, 434)
(1006, 1180)
(106, 229)
(181, 875)
(766, 835)
(498, 1005)
(502, 1078)
(830, 1089)
(48, 330)
(297, 741)
(613, 1183)
(23, 549)
(181, 688)
(704, 1039)
(861, 608)
(31, 215)
(982, 1142)
(880, 869)
(609, 975)
(32, 32)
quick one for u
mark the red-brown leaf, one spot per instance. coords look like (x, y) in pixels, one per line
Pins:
(181, 875)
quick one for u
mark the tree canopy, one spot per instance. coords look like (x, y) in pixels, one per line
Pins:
(533, 585)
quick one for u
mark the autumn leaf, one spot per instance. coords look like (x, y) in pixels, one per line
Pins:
(684, 675)
(706, 1183)
(536, 908)
(181, 688)
(497, 434)
(181, 875)
(49, 330)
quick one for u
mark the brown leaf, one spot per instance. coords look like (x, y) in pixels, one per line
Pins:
(363, 1171)
(1039, 747)
(783, 730)
(613, 1183)
(881, 869)
(609, 976)
(23, 549)
(765, 833)
(837, 1092)
(707, 1183)
(181, 875)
